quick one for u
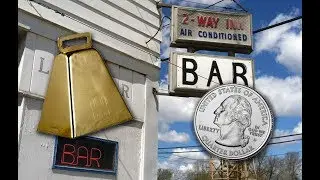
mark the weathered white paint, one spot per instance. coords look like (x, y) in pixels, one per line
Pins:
(133, 22)
(93, 19)
(131, 85)
(130, 57)
(131, 42)
(21, 103)
(138, 94)
(149, 167)
(26, 63)
(131, 62)
(146, 5)
(129, 7)
(45, 51)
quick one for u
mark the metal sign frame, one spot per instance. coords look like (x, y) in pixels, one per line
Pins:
(172, 70)
(115, 160)
(207, 45)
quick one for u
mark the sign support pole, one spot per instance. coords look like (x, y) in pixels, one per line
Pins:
(191, 50)
(230, 53)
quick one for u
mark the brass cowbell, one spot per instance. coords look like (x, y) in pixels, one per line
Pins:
(81, 97)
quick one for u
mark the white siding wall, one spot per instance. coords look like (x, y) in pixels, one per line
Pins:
(120, 29)
(124, 25)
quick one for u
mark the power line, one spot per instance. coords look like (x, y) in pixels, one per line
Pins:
(177, 147)
(265, 28)
(268, 27)
(271, 155)
(171, 152)
(270, 143)
(159, 4)
(208, 5)
(278, 24)
(85, 24)
(230, 8)
(161, 22)
(213, 4)
(165, 25)
(298, 134)
(238, 4)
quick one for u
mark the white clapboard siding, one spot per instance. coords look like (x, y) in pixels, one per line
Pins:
(135, 10)
(45, 50)
(40, 25)
(102, 23)
(147, 5)
(132, 88)
(126, 19)
(21, 105)
(26, 63)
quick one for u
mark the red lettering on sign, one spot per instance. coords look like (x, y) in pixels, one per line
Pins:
(215, 22)
(185, 19)
(83, 157)
(95, 155)
(70, 153)
(235, 25)
(202, 21)
(95, 158)
(209, 22)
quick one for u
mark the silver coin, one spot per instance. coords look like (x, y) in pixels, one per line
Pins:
(233, 122)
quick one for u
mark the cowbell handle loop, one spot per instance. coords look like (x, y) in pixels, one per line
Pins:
(72, 48)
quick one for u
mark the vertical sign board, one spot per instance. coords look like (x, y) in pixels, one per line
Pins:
(86, 154)
(210, 30)
(194, 74)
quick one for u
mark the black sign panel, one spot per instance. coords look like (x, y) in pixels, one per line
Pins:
(86, 153)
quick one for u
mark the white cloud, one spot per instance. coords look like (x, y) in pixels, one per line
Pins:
(298, 128)
(281, 132)
(184, 168)
(172, 109)
(284, 95)
(173, 136)
(285, 41)
(163, 126)
(189, 155)
(163, 86)
(163, 165)
(165, 49)
(175, 109)
(290, 53)
(165, 44)
(183, 161)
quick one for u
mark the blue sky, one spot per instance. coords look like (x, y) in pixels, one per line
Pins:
(277, 59)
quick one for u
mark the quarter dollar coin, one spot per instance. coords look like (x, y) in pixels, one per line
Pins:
(233, 122)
